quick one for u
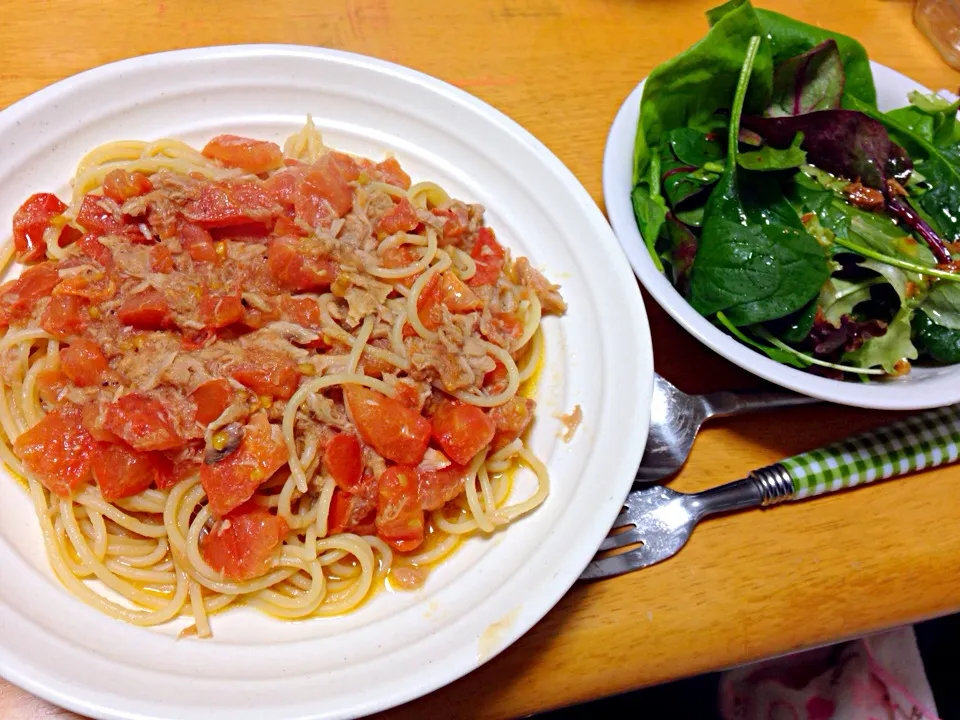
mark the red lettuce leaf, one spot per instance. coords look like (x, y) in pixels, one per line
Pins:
(808, 82)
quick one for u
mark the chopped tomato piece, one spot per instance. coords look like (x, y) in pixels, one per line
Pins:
(323, 192)
(92, 419)
(233, 480)
(212, 398)
(18, 296)
(57, 451)
(172, 472)
(50, 383)
(198, 243)
(95, 250)
(401, 257)
(282, 187)
(461, 430)
(219, 311)
(268, 372)
(143, 422)
(350, 166)
(147, 310)
(456, 295)
(428, 303)
(455, 225)
(303, 311)
(196, 339)
(389, 171)
(95, 287)
(439, 487)
(29, 223)
(400, 519)
(400, 218)
(496, 381)
(120, 185)
(83, 362)
(507, 324)
(161, 259)
(256, 318)
(121, 472)
(243, 544)
(222, 204)
(287, 226)
(100, 216)
(352, 513)
(489, 256)
(293, 268)
(408, 394)
(387, 425)
(511, 420)
(344, 462)
(253, 156)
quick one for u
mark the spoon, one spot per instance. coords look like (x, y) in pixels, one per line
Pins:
(675, 419)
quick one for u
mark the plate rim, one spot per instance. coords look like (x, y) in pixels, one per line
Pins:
(67, 695)
(893, 395)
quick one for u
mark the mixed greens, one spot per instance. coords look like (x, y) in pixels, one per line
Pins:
(787, 208)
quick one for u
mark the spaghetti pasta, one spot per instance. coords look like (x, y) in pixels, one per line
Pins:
(275, 377)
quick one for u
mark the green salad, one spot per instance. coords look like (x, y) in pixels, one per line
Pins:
(792, 212)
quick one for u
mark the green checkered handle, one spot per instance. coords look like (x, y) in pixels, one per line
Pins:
(922, 441)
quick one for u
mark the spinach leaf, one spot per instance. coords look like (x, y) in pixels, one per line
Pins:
(808, 82)
(752, 272)
(939, 163)
(691, 217)
(683, 154)
(795, 328)
(789, 38)
(687, 90)
(651, 212)
(764, 202)
(940, 343)
(931, 117)
(942, 305)
(771, 158)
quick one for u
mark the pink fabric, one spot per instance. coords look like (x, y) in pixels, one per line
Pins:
(877, 678)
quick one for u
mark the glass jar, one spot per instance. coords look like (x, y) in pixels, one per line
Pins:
(940, 22)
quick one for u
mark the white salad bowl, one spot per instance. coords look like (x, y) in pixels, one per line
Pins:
(923, 387)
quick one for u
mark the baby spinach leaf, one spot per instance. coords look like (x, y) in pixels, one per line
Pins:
(942, 305)
(688, 89)
(789, 38)
(691, 217)
(684, 153)
(771, 158)
(764, 202)
(940, 343)
(795, 327)
(855, 146)
(939, 163)
(808, 82)
(651, 212)
(752, 272)
(931, 117)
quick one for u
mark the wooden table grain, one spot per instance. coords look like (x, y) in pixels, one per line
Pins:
(747, 586)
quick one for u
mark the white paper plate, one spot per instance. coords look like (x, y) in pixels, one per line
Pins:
(398, 646)
(922, 388)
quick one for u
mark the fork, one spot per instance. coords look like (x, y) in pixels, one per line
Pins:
(661, 520)
(675, 419)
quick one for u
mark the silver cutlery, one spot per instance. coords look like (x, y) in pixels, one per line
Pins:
(675, 419)
(660, 520)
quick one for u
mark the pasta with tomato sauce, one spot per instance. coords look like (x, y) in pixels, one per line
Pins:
(267, 375)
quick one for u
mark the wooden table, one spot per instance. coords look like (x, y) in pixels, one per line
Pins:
(747, 586)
